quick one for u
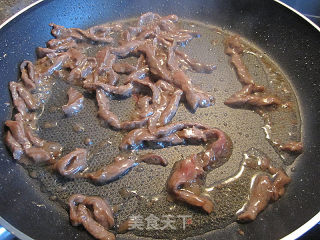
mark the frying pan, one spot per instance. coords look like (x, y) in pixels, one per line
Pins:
(287, 38)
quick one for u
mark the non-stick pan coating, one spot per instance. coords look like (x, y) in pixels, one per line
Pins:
(286, 38)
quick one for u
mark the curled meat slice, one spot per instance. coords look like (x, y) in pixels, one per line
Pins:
(123, 90)
(144, 108)
(171, 108)
(263, 190)
(118, 167)
(75, 102)
(147, 83)
(125, 49)
(18, 133)
(184, 172)
(94, 213)
(195, 66)
(155, 65)
(72, 163)
(110, 118)
(248, 94)
(28, 74)
(194, 97)
(22, 98)
(166, 135)
(154, 159)
(189, 170)
(123, 67)
(295, 147)
(13, 145)
(92, 34)
(38, 154)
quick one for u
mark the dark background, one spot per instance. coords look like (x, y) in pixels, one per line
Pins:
(310, 8)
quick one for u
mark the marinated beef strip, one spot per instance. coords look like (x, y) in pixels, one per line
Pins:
(248, 95)
(94, 213)
(97, 34)
(110, 118)
(72, 163)
(120, 166)
(28, 75)
(153, 159)
(264, 189)
(21, 139)
(75, 102)
(13, 146)
(123, 67)
(294, 147)
(195, 66)
(22, 98)
(166, 135)
(190, 170)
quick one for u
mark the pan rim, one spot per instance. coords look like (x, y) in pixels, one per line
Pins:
(293, 235)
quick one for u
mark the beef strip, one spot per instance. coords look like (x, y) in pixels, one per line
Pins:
(110, 118)
(171, 108)
(75, 102)
(194, 97)
(295, 147)
(154, 159)
(94, 214)
(28, 75)
(72, 163)
(22, 98)
(123, 67)
(123, 90)
(195, 66)
(82, 35)
(248, 94)
(192, 168)
(13, 146)
(118, 167)
(264, 188)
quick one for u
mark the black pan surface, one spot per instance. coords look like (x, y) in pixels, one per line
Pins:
(285, 37)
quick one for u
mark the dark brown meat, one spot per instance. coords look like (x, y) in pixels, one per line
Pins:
(171, 108)
(184, 172)
(144, 108)
(154, 159)
(94, 214)
(75, 102)
(72, 163)
(123, 67)
(247, 96)
(82, 35)
(156, 67)
(295, 147)
(192, 168)
(123, 90)
(195, 66)
(22, 98)
(110, 118)
(38, 154)
(162, 136)
(118, 167)
(126, 48)
(147, 83)
(28, 75)
(13, 146)
(18, 133)
(194, 97)
(263, 190)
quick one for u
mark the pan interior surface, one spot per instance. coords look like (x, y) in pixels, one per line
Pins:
(244, 127)
(141, 192)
